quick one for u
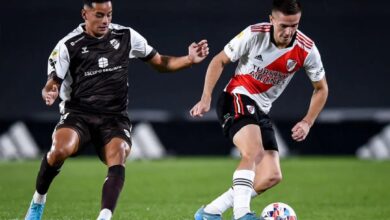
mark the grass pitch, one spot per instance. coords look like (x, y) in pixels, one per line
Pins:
(173, 189)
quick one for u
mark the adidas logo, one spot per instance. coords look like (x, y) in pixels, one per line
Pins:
(259, 57)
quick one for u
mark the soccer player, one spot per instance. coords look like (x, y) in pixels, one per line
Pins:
(269, 55)
(88, 70)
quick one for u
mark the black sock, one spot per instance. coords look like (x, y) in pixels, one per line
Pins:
(112, 187)
(46, 175)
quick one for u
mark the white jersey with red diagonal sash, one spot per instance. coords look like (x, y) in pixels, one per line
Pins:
(264, 70)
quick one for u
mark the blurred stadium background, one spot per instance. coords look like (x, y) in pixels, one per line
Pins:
(352, 37)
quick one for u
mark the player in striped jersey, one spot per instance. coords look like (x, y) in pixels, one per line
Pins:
(269, 55)
(88, 71)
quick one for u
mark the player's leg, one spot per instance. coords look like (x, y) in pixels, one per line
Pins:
(234, 112)
(272, 176)
(65, 143)
(115, 154)
(268, 171)
(249, 143)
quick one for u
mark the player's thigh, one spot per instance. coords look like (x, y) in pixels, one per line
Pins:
(116, 151)
(248, 140)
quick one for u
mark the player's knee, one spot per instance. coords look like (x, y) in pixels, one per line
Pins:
(58, 153)
(117, 152)
(123, 150)
(277, 178)
(274, 179)
(56, 157)
(268, 182)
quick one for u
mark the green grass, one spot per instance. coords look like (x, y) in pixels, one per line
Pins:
(173, 189)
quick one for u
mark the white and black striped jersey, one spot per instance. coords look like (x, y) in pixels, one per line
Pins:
(94, 71)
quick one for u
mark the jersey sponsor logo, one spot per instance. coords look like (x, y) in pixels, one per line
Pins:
(105, 70)
(291, 64)
(115, 43)
(76, 41)
(251, 109)
(84, 50)
(267, 76)
(103, 62)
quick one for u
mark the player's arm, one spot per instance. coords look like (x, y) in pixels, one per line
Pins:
(213, 73)
(317, 103)
(197, 52)
(51, 89)
(57, 68)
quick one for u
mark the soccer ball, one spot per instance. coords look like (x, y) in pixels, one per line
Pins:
(278, 211)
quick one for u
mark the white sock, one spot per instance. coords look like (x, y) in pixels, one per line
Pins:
(220, 204)
(105, 214)
(242, 187)
(38, 198)
(224, 202)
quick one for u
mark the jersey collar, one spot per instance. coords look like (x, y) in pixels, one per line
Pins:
(82, 29)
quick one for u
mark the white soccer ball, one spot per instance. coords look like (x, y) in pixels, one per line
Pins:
(278, 211)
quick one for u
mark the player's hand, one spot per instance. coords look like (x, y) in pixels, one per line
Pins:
(300, 130)
(50, 94)
(197, 52)
(201, 107)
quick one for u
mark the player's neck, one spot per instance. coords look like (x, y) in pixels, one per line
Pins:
(93, 35)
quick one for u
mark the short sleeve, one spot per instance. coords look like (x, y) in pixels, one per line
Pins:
(239, 45)
(313, 65)
(140, 47)
(58, 62)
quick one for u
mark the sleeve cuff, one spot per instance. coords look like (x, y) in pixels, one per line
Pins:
(149, 56)
(54, 77)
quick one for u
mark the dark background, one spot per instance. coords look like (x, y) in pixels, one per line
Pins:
(352, 36)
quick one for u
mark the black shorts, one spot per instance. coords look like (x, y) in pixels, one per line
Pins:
(96, 129)
(236, 111)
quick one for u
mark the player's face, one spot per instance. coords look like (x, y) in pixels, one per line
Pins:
(98, 18)
(285, 27)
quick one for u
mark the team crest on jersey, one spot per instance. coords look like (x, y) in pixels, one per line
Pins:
(291, 64)
(115, 43)
(251, 109)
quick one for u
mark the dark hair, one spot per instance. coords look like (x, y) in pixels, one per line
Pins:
(89, 2)
(287, 7)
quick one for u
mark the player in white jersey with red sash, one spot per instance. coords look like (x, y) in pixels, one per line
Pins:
(269, 54)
